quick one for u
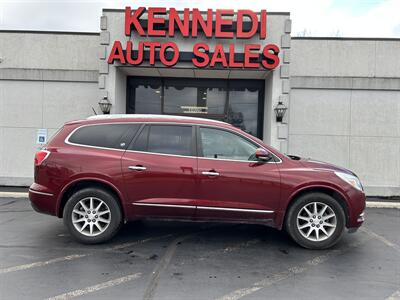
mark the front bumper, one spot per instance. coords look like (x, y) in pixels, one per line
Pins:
(356, 206)
(360, 220)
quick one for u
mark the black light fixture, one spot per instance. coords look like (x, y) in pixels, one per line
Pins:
(105, 105)
(280, 111)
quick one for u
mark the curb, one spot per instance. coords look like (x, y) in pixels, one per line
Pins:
(379, 204)
(370, 204)
(13, 195)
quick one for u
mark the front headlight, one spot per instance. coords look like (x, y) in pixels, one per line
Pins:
(351, 179)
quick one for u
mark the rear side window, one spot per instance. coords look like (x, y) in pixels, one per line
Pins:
(115, 136)
(165, 139)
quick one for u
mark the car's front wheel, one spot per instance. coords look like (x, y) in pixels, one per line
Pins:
(92, 215)
(315, 221)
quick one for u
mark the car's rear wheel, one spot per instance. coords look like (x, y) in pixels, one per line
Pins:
(92, 215)
(315, 221)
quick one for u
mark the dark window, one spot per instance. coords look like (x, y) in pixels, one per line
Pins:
(222, 144)
(147, 95)
(238, 102)
(166, 139)
(108, 136)
(242, 111)
(140, 144)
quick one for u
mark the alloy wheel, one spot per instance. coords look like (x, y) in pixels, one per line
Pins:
(91, 216)
(316, 221)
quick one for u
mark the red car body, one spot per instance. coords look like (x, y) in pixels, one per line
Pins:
(175, 187)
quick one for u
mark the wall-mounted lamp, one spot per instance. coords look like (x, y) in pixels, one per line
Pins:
(105, 105)
(280, 110)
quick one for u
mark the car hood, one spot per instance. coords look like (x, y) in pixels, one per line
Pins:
(319, 165)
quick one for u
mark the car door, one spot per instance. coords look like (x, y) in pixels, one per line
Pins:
(232, 183)
(159, 170)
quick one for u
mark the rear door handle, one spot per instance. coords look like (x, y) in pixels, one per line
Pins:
(210, 173)
(137, 168)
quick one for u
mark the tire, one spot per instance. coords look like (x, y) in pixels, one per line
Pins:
(103, 223)
(299, 222)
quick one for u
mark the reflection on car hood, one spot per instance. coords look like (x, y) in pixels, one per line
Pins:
(315, 164)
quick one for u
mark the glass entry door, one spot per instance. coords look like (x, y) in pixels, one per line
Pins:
(239, 102)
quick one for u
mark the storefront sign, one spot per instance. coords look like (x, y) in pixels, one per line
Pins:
(220, 24)
(194, 109)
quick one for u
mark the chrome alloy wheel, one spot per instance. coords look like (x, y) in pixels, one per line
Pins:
(91, 216)
(316, 221)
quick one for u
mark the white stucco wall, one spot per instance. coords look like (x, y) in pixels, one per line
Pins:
(45, 80)
(345, 107)
(55, 51)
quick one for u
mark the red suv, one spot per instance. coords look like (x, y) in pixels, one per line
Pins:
(101, 172)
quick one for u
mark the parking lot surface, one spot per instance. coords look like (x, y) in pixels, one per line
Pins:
(182, 260)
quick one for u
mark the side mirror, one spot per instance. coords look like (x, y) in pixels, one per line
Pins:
(263, 155)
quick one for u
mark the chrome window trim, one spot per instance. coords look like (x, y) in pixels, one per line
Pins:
(206, 207)
(246, 161)
(279, 160)
(207, 158)
(40, 193)
(163, 154)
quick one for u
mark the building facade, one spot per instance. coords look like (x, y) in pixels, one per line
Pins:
(342, 94)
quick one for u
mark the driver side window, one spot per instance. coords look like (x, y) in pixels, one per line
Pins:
(222, 144)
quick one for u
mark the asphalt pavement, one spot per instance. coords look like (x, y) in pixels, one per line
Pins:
(181, 260)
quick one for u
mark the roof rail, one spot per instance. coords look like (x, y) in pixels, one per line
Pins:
(150, 116)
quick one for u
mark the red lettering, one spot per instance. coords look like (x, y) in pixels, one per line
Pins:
(152, 47)
(271, 60)
(254, 23)
(249, 55)
(263, 24)
(133, 20)
(174, 18)
(219, 56)
(200, 54)
(163, 51)
(232, 63)
(139, 58)
(152, 20)
(197, 19)
(219, 22)
(116, 53)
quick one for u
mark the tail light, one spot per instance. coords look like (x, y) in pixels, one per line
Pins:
(40, 156)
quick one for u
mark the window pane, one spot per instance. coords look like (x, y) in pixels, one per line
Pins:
(140, 143)
(170, 139)
(243, 109)
(148, 99)
(199, 97)
(108, 136)
(225, 145)
(214, 100)
(177, 99)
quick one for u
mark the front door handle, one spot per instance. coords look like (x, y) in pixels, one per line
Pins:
(137, 168)
(210, 173)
